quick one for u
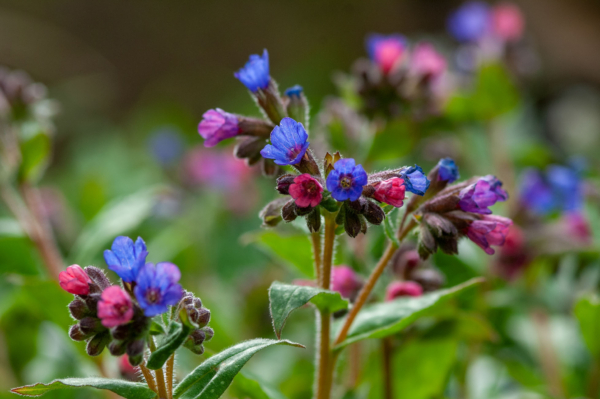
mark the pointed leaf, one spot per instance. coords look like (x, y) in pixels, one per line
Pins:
(126, 389)
(177, 335)
(389, 226)
(249, 386)
(383, 319)
(211, 378)
(587, 311)
(285, 298)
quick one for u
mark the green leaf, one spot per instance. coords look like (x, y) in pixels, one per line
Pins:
(211, 378)
(248, 386)
(294, 250)
(178, 332)
(383, 319)
(126, 389)
(35, 151)
(587, 311)
(285, 298)
(156, 328)
(389, 226)
(116, 218)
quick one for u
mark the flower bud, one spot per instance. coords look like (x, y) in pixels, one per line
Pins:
(76, 334)
(303, 211)
(288, 212)
(209, 333)
(254, 127)
(135, 348)
(90, 325)
(197, 350)
(268, 168)
(78, 309)
(117, 348)
(284, 182)
(270, 101)
(197, 303)
(345, 281)
(272, 212)
(98, 276)
(203, 317)
(97, 344)
(198, 336)
(297, 104)
(391, 191)
(428, 278)
(352, 223)
(403, 288)
(74, 280)
(427, 243)
(313, 221)
(115, 307)
(404, 261)
(188, 299)
(373, 213)
(121, 332)
(330, 160)
(249, 148)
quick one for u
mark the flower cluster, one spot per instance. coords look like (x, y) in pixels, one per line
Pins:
(120, 316)
(475, 20)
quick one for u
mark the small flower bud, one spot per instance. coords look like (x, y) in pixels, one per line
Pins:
(373, 213)
(268, 168)
(115, 307)
(135, 360)
(117, 348)
(192, 312)
(203, 317)
(187, 300)
(198, 336)
(197, 303)
(97, 344)
(78, 309)
(271, 213)
(427, 242)
(209, 332)
(284, 182)
(249, 148)
(352, 224)
(391, 191)
(404, 261)
(121, 332)
(297, 105)
(135, 348)
(92, 302)
(254, 127)
(197, 350)
(345, 281)
(74, 280)
(330, 160)
(303, 211)
(313, 221)
(402, 288)
(98, 276)
(90, 325)
(428, 278)
(288, 212)
(76, 334)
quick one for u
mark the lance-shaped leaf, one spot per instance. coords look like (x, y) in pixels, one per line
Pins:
(126, 389)
(178, 332)
(211, 378)
(285, 298)
(384, 319)
(249, 386)
(587, 311)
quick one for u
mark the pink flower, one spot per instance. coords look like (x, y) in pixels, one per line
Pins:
(426, 61)
(490, 230)
(216, 126)
(577, 227)
(507, 21)
(115, 307)
(306, 191)
(127, 370)
(386, 51)
(390, 191)
(345, 281)
(402, 288)
(74, 280)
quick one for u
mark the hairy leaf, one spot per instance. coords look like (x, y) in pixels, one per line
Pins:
(126, 389)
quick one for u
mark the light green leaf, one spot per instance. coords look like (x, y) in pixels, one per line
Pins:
(587, 311)
(116, 218)
(285, 298)
(389, 226)
(211, 378)
(177, 335)
(126, 389)
(247, 386)
(293, 250)
(387, 318)
(35, 151)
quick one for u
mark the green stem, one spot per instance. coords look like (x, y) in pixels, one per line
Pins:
(159, 374)
(316, 245)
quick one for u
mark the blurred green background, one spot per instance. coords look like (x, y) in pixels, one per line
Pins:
(125, 72)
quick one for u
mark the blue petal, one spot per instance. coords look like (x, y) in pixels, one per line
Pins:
(360, 176)
(333, 181)
(345, 165)
(294, 91)
(339, 194)
(355, 192)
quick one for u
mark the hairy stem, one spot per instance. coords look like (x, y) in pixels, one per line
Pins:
(170, 375)
(159, 374)
(324, 353)
(148, 377)
(316, 245)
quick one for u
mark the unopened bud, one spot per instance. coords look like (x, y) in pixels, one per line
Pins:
(352, 223)
(135, 348)
(271, 213)
(117, 348)
(313, 221)
(427, 243)
(373, 213)
(203, 317)
(198, 350)
(284, 182)
(198, 336)
(249, 147)
(269, 168)
(90, 325)
(197, 303)
(297, 104)
(288, 212)
(78, 309)
(192, 312)
(187, 300)
(98, 276)
(76, 334)
(121, 332)
(97, 344)
(209, 332)
(429, 278)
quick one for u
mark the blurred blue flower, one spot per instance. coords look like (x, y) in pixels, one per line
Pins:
(536, 194)
(415, 180)
(255, 74)
(157, 288)
(346, 180)
(126, 258)
(448, 171)
(470, 21)
(294, 91)
(288, 143)
(560, 188)
(166, 145)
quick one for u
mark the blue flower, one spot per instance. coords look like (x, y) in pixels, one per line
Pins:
(558, 189)
(470, 21)
(448, 171)
(566, 185)
(157, 288)
(166, 146)
(126, 258)
(346, 180)
(294, 91)
(536, 194)
(255, 74)
(288, 143)
(415, 180)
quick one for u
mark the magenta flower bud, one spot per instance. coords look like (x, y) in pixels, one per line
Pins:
(507, 22)
(345, 281)
(426, 61)
(490, 230)
(398, 289)
(218, 125)
(115, 307)
(390, 191)
(74, 280)
(306, 191)
(386, 51)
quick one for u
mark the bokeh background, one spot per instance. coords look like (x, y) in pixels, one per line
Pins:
(131, 80)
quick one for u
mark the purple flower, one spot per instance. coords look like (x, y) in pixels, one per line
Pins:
(217, 125)
(566, 185)
(536, 194)
(415, 180)
(470, 22)
(294, 91)
(386, 51)
(255, 74)
(490, 230)
(156, 288)
(126, 258)
(478, 197)
(559, 189)
(346, 180)
(448, 171)
(288, 143)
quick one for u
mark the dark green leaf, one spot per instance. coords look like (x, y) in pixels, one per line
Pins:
(156, 328)
(384, 319)
(126, 389)
(389, 226)
(211, 378)
(285, 298)
(178, 332)
(587, 311)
